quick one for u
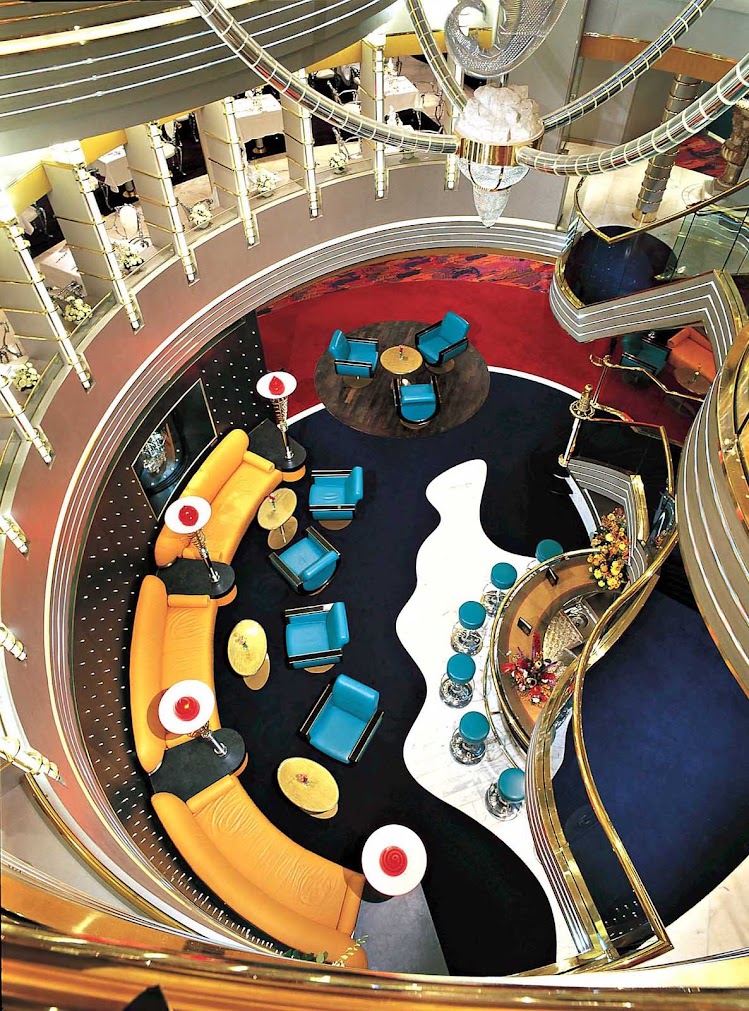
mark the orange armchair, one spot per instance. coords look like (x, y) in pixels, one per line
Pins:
(691, 350)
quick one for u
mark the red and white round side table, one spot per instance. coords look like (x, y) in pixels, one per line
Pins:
(394, 859)
(186, 708)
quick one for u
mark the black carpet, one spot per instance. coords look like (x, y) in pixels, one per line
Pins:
(490, 913)
(666, 726)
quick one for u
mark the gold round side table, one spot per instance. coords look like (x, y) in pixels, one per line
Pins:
(401, 360)
(309, 786)
(276, 514)
(248, 653)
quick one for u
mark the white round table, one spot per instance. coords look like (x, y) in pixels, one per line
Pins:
(394, 860)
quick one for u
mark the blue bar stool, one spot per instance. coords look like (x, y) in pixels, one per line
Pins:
(467, 636)
(545, 550)
(456, 687)
(504, 798)
(468, 743)
(503, 578)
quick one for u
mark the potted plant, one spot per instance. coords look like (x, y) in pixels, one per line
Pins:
(76, 310)
(265, 182)
(200, 214)
(338, 161)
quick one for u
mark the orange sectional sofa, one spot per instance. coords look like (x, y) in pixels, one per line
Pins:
(286, 891)
(691, 349)
(235, 481)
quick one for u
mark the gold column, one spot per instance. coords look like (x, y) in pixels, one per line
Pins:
(735, 149)
(683, 92)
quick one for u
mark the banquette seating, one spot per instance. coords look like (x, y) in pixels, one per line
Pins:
(301, 899)
(690, 349)
(441, 343)
(234, 481)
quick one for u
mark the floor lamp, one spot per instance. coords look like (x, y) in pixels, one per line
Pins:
(188, 516)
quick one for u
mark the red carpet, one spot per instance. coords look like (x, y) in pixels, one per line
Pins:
(511, 326)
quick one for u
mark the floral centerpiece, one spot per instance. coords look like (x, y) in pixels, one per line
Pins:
(24, 376)
(200, 214)
(130, 257)
(76, 310)
(533, 675)
(338, 162)
(607, 563)
(265, 182)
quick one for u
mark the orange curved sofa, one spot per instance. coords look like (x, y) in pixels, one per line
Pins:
(691, 349)
(299, 898)
(235, 481)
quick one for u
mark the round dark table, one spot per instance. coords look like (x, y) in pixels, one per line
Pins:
(371, 408)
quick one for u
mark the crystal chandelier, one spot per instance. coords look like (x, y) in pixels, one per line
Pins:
(493, 124)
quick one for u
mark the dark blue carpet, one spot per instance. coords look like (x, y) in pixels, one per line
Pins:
(666, 727)
(490, 913)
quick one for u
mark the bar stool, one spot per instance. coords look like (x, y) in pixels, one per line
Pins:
(545, 550)
(468, 742)
(503, 577)
(504, 798)
(456, 688)
(467, 636)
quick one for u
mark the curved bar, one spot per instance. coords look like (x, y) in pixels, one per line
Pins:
(630, 71)
(729, 89)
(256, 58)
(434, 57)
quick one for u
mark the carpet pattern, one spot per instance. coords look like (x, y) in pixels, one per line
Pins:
(472, 877)
(701, 153)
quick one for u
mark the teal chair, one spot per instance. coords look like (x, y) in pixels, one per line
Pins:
(343, 720)
(468, 743)
(441, 343)
(333, 496)
(315, 636)
(416, 403)
(354, 360)
(504, 798)
(638, 351)
(309, 563)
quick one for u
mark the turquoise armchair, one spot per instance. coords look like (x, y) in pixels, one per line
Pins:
(441, 343)
(315, 636)
(343, 720)
(416, 403)
(355, 360)
(309, 563)
(334, 494)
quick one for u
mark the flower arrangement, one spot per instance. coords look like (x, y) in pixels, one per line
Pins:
(76, 310)
(265, 182)
(607, 563)
(533, 675)
(200, 214)
(338, 161)
(130, 258)
(24, 376)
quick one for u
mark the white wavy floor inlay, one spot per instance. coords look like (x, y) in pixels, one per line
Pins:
(453, 565)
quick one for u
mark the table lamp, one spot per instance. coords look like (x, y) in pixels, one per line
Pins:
(278, 387)
(186, 708)
(189, 515)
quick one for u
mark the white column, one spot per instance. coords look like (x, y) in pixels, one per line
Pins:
(226, 161)
(372, 93)
(300, 147)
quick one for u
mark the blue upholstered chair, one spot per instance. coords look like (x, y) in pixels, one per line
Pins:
(309, 563)
(343, 720)
(333, 496)
(315, 636)
(441, 343)
(355, 360)
(416, 403)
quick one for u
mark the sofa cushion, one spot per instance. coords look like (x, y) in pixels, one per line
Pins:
(188, 651)
(146, 652)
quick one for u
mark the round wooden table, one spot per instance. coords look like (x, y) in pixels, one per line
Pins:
(248, 653)
(309, 786)
(371, 409)
(276, 514)
(401, 360)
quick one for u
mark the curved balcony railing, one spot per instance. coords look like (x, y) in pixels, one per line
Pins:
(629, 929)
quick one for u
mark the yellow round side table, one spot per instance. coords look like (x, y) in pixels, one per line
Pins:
(401, 360)
(276, 514)
(248, 653)
(309, 786)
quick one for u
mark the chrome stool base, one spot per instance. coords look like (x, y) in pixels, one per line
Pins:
(498, 807)
(456, 696)
(465, 753)
(466, 640)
